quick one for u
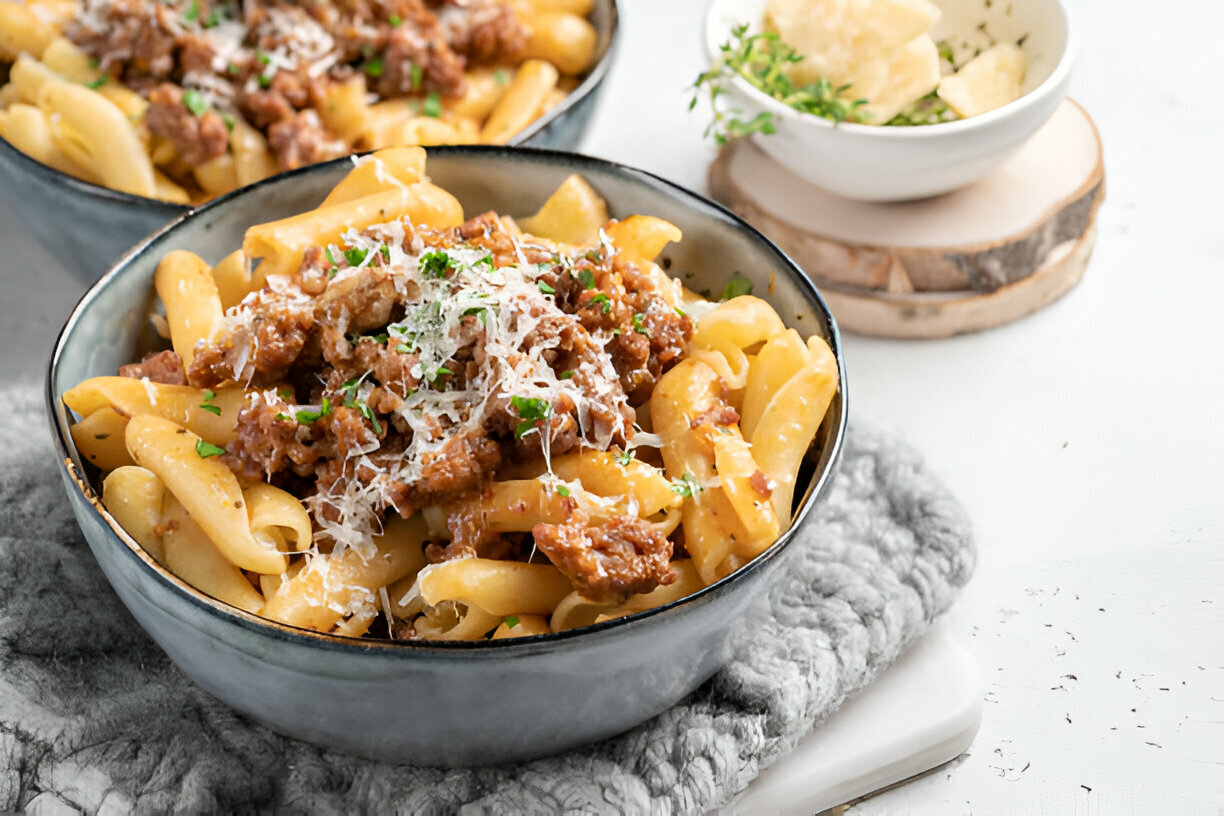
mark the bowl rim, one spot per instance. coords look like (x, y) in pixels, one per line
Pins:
(589, 83)
(69, 460)
(1058, 78)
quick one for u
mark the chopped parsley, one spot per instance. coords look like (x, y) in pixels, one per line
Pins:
(229, 122)
(285, 394)
(207, 449)
(639, 326)
(624, 458)
(545, 288)
(368, 412)
(281, 415)
(563, 491)
(531, 410)
(395, 20)
(481, 312)
(404, 348)
(735, 287)
(416, 76)
(307, 417)
(687, 486)
(487, 260)
(331, 257)
(265, 81)
(587, 278)
(566, 375)
(207, 403)
(355, 255)
(263, 58)
(511, 621)
(214, 19)
(603, 300)
(97, 83)
(232, 69)
(193, 12)
(433, 105)
(501, 76)
(194, 101)
(374, 68)
(593, 255)
(434, 264)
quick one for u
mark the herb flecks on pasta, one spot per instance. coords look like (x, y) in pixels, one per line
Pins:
(187, 99)
(448, 423)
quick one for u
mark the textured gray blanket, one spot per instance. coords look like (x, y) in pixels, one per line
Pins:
(94, 717)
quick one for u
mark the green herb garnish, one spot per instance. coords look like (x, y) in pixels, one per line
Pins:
(735, 287)
(433, 105)
(587, 278)
(395, 19)
(566, 375)
(687, 486)
(511, 621)
(531, 410)
(563, 491)
(193, 12)
(603, 300)
(623, 459)
(545, 288)
(374, 68)
(928, 110)
(434, 264)
(97, 83)
(194, 101)
(639, 326)
(207, 449)
(207, 403)
(416, 76)
(355, 255)
(761, 60)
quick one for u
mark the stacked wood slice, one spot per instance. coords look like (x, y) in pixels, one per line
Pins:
(975, 258)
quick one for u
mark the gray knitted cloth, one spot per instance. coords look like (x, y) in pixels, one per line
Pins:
(94, 717)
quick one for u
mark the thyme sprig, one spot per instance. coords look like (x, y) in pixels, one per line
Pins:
(761, 60)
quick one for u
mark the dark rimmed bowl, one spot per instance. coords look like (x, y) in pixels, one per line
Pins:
(438, 703)
(86, 227)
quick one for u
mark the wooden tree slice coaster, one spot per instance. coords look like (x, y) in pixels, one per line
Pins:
(993, 252)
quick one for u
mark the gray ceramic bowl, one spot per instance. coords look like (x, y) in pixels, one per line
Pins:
(86, 227)
(437, 703)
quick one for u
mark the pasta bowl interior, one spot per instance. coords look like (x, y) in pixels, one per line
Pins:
(887, 162)
(118, 115)
(565, 576)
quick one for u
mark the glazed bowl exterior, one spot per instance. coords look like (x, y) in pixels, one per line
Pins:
(427, 703)
(876, 163)
(86, 227)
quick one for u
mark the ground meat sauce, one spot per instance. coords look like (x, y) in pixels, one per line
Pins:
(402, 369)
(202, 62)
(608, 562)
(162, 367)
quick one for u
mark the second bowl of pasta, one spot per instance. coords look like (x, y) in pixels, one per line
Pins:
(490, 453)
(115, 117)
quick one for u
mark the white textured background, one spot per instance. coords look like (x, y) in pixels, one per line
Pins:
(1087, 441)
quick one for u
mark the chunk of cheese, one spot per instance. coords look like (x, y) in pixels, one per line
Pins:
(988, 81)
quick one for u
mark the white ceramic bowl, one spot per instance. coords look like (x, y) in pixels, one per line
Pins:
(874, 163)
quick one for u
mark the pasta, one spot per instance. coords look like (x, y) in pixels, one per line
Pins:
(445, 429)
(183, 100)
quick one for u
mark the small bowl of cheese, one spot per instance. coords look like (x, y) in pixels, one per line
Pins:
(886, 100)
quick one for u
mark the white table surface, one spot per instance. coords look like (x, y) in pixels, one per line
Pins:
(1086, 441)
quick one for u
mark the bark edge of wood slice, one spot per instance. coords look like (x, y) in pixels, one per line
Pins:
(980, 257)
